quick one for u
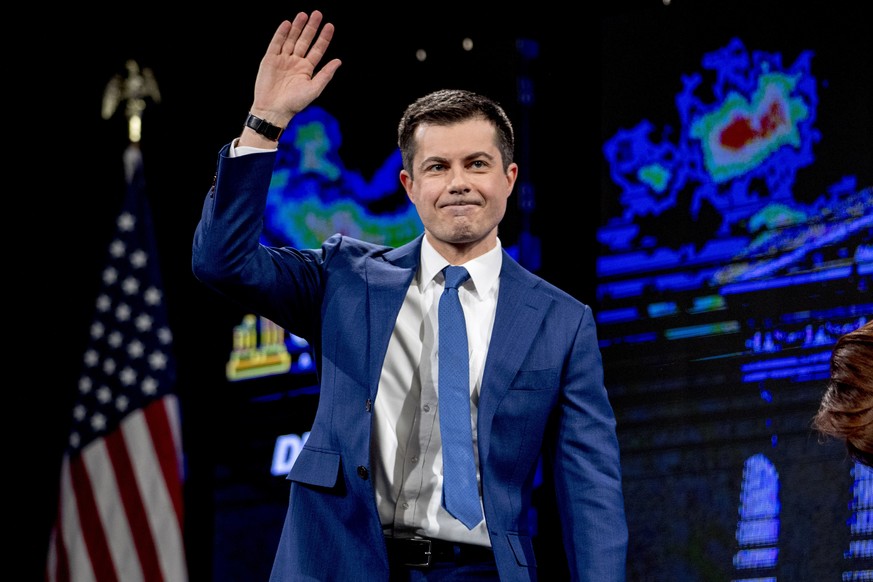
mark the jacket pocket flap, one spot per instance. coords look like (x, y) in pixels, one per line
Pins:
(522, 547)
(315, 467)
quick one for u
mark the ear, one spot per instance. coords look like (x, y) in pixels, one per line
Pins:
(511, 176)
(406, 181)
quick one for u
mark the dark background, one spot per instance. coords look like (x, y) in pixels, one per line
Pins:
(70, 174)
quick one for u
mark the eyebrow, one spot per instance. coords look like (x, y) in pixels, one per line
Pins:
(467, 158)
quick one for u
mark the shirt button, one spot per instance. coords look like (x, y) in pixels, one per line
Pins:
(414, 459)
(362, 472)
(405, 505)
(426, 407)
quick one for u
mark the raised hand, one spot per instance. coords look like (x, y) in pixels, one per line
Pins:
(287, 80)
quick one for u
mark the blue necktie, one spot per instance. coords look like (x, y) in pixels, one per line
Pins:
(460, 491)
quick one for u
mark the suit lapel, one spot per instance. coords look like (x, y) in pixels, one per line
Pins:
(388, 278)
(520, 312)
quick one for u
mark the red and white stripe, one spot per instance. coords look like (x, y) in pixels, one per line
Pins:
(120, 512)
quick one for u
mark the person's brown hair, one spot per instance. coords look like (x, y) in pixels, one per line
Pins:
(846, 409)
(450, 106)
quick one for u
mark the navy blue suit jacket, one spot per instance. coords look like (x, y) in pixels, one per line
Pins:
(542, 392)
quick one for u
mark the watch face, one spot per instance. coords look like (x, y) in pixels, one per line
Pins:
(313, 195)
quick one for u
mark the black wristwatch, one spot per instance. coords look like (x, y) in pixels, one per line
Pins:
(264, 127)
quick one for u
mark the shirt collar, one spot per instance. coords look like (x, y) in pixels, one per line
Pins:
(484, 270)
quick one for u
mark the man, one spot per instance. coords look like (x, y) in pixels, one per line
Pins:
(366, 499)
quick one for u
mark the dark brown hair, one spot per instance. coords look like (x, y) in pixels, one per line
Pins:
(450, 106)
(846, 409)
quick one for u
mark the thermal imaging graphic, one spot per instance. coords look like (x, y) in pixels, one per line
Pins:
(727, 182)
(313, 195)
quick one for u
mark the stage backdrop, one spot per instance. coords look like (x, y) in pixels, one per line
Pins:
(735, 245)
(732, 247)
(699, 172)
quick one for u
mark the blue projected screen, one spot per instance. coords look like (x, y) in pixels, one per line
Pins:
(313, 195)
(707, 215)
(735, 245)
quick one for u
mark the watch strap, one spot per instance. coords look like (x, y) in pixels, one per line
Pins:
(264, 127)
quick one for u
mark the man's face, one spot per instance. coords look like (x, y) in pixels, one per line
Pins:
(459, 187)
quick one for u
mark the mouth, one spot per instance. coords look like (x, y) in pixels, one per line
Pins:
(452, 203)
(460, 210)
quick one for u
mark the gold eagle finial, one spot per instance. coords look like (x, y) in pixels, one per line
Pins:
(132, 90)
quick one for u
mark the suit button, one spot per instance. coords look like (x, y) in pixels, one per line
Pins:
(363, 473)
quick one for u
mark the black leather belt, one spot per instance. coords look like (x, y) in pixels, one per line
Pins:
(423, 552)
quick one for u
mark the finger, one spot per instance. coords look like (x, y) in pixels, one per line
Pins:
(294, 32)
(301, 47)
(279, 38)
(321, 43)
(323, 77)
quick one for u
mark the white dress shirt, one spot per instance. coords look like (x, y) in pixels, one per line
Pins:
(407, 458)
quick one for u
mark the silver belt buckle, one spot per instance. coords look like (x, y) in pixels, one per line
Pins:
(426, 550)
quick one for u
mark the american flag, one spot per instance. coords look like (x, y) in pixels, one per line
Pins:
(119, 514)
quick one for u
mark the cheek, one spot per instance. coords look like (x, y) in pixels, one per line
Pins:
(500, 194)
(498, 208)
(424, 192)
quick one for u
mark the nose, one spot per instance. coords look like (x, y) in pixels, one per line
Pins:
(458, 183)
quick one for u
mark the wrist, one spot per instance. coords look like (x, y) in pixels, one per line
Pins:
(264, 128)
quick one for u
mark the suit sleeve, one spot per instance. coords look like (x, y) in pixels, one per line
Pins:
(587, 469)
(281, 284)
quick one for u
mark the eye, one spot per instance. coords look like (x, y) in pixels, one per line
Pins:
(479, 164)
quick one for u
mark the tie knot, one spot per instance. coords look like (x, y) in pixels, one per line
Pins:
(455, 276)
